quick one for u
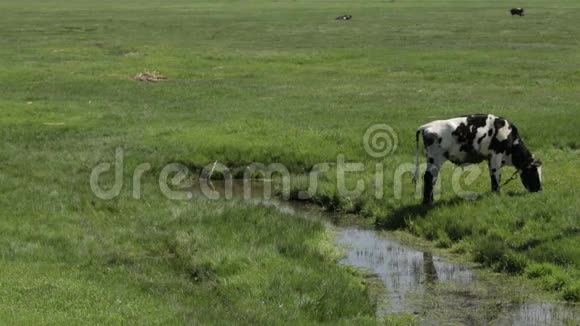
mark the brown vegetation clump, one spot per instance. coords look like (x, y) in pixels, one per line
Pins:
(151, 76)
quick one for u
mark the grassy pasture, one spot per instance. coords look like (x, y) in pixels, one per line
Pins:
(265, 81)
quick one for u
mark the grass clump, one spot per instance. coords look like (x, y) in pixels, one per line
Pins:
(571, 292)
(511, 263)
(539, 270)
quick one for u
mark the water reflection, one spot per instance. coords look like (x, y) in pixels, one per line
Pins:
(429, 268)
(540, 314)
(406, 273)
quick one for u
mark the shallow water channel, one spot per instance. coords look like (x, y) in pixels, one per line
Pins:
(417, 282)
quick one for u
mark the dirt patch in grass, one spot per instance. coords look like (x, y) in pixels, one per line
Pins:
(150, 76)
(133, 54)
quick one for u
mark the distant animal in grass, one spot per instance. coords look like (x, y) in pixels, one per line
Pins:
(345, 17)
(472, 139)
(517, 11)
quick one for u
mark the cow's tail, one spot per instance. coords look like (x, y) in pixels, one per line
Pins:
(416, 172)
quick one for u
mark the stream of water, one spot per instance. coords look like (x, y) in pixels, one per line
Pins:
(418, 282)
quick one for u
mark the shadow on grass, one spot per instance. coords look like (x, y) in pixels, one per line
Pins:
(517, 193)
(400, 217)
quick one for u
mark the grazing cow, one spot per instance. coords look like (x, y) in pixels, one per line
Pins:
(517, 11)
(345, 17)
(472, 139)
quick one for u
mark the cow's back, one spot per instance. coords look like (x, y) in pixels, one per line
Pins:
(465, 139)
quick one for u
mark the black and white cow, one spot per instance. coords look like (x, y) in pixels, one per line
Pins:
(472, 139)
(517, 11)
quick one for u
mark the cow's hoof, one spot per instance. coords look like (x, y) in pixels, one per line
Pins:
(428, 204)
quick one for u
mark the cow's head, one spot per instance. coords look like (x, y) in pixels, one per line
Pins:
(531, 176)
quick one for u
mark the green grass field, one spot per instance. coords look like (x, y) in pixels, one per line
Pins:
(265, 81)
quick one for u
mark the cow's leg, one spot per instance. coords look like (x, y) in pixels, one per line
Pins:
(435, 160)
(495, 172)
